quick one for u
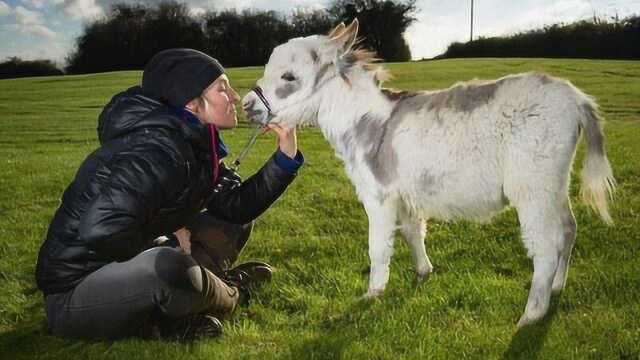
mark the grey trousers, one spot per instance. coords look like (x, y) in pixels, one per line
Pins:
(163, 283)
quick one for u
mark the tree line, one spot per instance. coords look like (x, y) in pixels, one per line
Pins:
(14, 67)
(589, 39)
(131, 34)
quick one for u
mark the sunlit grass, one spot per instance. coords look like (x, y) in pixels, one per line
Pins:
(316, 238)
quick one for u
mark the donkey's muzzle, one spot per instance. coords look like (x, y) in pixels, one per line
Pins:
(256, 106)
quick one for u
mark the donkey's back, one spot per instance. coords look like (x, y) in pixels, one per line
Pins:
(467, 150)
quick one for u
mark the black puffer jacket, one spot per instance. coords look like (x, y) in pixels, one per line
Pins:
(150, 176)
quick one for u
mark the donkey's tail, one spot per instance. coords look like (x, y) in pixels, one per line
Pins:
(598, 183)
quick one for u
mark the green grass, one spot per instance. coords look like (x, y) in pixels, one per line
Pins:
(316, 237)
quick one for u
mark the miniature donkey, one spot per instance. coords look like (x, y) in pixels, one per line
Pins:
(463, 152)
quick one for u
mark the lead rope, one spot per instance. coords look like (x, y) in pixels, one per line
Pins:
(245, 150)
(258, 91)
(236, 163)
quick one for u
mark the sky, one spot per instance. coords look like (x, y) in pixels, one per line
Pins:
(47, 29)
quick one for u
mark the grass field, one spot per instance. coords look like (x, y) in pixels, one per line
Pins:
(316, 238)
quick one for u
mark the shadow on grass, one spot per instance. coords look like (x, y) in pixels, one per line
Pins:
(345, 332)
(527, 341)
(32, 340)
(29, 341)
(334, 336)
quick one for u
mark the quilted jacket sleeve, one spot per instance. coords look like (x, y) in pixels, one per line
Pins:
(246, 202)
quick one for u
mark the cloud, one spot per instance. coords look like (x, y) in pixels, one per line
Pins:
(27, 17)
(31, 29)
(39, 48)
(80, 9)
(40, 30)
(510, 20)
(285, 6)
(28, 22)
(430, 36)
(38, 4)
(4, 9)
(196, 11)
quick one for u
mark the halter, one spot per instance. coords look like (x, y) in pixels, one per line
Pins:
(260, 94)
(258, 91)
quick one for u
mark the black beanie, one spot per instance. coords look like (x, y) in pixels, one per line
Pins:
(177, 76)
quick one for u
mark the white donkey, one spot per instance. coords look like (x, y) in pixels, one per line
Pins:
(463, 152)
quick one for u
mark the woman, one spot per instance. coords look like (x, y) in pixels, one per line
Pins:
(157, 167)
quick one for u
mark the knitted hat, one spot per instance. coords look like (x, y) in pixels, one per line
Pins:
(177, 76)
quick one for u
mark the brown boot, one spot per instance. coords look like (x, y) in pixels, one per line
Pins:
(247, 277)
(259, 272)
(222, 297)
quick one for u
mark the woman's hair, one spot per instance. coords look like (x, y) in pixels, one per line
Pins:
(200, 100)
(202, 103)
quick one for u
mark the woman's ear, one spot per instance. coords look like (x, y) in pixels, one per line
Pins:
(192, 105)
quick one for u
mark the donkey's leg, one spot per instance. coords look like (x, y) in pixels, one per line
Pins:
(569, 226)
(542, 233)
(414, 231)
(382, 225)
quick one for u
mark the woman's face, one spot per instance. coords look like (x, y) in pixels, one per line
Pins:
(218, 104)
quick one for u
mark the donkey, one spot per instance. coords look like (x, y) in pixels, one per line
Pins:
(463, 152)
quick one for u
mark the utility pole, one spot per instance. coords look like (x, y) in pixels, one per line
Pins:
(471, 37)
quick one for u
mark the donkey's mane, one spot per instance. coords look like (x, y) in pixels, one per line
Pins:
(369, 60)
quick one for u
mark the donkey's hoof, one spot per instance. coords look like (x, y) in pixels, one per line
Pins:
(372, 294)
(527, 320)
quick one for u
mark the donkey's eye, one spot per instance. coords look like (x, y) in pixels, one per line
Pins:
(288, 77)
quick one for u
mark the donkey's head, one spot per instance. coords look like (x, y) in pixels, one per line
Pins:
(298, 71)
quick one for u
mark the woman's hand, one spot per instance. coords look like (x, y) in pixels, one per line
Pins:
(287, 141)
(184, 238)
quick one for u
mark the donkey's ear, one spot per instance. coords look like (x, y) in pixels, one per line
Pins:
(346, 38)
(336, 30)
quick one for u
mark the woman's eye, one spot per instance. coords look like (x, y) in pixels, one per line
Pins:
(288, 77)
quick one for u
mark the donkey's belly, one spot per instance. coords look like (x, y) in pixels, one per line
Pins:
(476, 200)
